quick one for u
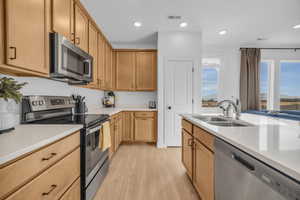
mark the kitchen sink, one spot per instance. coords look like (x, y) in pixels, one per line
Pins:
(207, 118)
(222, 121)
(230, 124)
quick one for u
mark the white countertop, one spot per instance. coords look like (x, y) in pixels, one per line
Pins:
(112, 111)
(27, 138)
(275, 142)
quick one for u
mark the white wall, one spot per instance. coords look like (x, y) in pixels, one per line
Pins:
(135, 98)
(185, 45)
(42, 86)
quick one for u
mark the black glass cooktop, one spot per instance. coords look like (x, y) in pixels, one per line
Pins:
(86, 120)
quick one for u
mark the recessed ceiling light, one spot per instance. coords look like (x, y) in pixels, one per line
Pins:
(296, 26)
(183, 24)
(223, 32)
(137, 24)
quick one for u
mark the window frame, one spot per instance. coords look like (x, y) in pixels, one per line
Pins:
(274, 74)
(216, 66)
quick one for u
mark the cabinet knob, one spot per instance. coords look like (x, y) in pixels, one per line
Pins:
(48, 158)
(169, 107)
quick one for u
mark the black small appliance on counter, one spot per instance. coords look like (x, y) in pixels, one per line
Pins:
(59, 110)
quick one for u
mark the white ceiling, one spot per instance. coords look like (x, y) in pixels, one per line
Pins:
(245, 20)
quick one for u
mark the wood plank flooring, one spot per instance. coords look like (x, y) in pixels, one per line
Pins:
(144, 172)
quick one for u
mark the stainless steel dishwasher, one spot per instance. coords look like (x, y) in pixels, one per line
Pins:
(239, 176)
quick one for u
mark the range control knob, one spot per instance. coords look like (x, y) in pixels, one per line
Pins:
(41, 102)
(34, 103)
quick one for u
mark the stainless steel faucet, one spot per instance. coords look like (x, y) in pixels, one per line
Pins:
(230, 104)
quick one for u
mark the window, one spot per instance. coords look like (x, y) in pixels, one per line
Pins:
(264, 84)
(289, 85)
(210, 82)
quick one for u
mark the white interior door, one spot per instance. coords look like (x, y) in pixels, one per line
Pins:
(178, 97)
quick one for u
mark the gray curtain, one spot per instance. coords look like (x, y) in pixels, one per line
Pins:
(249, 79)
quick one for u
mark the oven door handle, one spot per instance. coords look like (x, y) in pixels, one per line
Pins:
(93, 129)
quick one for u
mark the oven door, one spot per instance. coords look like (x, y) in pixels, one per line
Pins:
(68, 62)
(94, 156)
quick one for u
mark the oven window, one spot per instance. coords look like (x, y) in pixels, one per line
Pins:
(72, 62)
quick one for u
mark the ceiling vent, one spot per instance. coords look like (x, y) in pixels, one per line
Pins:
(174, 17)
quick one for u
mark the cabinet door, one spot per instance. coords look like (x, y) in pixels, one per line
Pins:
(146, 71)
(73, 192)
(101, 61)
(128, 126)
(203, 171)
(93, 51)
(125, 70)
(81, 28)
(108, 67)
(112, 136)
(144, 129)
(187, 152)
(27, 36)
(62, 18)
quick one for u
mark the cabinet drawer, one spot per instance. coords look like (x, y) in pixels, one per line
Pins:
(74, 192)
(187, 126)
(52, 183)
(18, 173)
(204, 137)
(144, 114)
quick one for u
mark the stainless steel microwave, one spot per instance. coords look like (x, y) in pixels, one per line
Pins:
(69, 63)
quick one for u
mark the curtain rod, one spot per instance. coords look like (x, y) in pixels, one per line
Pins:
(275, 48)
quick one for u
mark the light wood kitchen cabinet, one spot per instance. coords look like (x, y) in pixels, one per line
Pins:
(125, 70)
(109, 76)
(93, 51)
(27, 24)
(101, 61)
(187, 152)
(63, 18)
(146, 71)
(112, 136)
(128, 126)
(203, 171)
(73, 192)
(144, 128)
(81, 28)
(52, 168)
(198, 158)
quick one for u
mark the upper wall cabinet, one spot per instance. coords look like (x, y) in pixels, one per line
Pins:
(93, 51)
(27, 36)
(81, 28)
(109, 68)
(63, 18)
(101, 61)
(136, 70)
(146, 71)
(125, 70)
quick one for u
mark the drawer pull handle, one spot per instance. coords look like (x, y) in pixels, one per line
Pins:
(51, 156)
(15, 53)
(51, 189)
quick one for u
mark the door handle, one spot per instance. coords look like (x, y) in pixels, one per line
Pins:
(77, 40)
(169, 107)
(51, 189)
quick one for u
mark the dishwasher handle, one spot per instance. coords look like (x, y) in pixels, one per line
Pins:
(244, 162)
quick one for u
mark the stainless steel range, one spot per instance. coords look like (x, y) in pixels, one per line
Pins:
(59, 110)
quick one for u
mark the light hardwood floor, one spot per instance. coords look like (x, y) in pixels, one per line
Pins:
(143, 172)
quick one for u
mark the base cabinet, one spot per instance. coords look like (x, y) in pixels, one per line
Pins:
(198, 159)
(73, 192)
(203, 176)
(187, 152)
